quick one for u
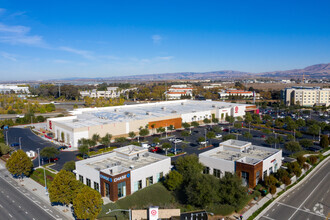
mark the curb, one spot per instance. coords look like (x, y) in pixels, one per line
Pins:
(292, 188)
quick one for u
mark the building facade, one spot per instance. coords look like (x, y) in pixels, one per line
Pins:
(178, 91)
(306, 96)
(4, 88)
(251, 163)
(120, 120)
(225, 94)
(123, 171)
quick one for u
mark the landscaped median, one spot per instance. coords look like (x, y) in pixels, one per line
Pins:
(175, 155)
(289, 188)
(201, 148)
(100, 151)
(38, 176)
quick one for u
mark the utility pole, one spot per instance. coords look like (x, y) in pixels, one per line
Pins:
(165, 90)
(20, 144)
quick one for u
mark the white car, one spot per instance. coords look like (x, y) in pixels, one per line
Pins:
(171, 139)
(177, 141)
(203, 142)
(218, 136)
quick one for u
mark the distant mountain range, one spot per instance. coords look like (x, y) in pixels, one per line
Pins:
(314, 71)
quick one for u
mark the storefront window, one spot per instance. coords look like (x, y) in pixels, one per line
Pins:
(149, 181)
(245, 178)
(121, 189)
(107, 190)
(88, 182)
(81, 178)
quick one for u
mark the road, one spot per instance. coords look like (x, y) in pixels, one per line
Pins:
(16, 203)
(310, 201)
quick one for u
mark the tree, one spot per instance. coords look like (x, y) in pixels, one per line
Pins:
(69, 166)
(248, 119)
(324, 143)
(247, 135)
(4, 149)
(131, 134)
(312, 159)
(106, 140)
(294, 168)
(270, 140)
(301, 160)
(19, 164)
(49, 152)
(301, 123)
(290, 137)
(270, 180)
(314, 129)
(166, 146)
(189, 167)
(293, 146)
(173, 180)
(286, 180)
(96, 138)
(206, 121)
(215, 120)
(144, 132)
(228, 136)
(230, 119)
(306, 143)
(272, 190)
(87, 204)
(186, 125)
(64, 188)
(210, 135)
(201, 139)
(83, 149)
(195, 124)
(185, 134)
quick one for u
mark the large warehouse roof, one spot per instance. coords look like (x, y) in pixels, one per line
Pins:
(99, 116)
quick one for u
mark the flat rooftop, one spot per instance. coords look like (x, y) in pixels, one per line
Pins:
(122, 160)
(241, 151)
(99, 116)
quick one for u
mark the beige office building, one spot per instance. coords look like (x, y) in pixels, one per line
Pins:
(306, 96)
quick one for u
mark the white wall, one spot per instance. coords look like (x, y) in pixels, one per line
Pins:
(77, 136)
(267, 163)
(189, 117)
(213, 163)
(88, 172)
(150, 170)
(238, 110)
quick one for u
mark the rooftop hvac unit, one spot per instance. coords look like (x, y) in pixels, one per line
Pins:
(213, 106)
(116, 110)
(131, 167)
(135, 158)
(147, 113)
(163, 108)
(146, 155)
(75, 120)
(173, 111)
(111, 172)
(182, 103)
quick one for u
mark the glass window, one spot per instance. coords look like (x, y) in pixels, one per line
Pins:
(206, 170)
(216, 173)
(257, 177)
(96, 186)
(149, 181)
(270, 170)
(107, 190)
(160, 176)
(121, 189)
(81, 178)
(88, 182)
(245, 178)
(265, 173)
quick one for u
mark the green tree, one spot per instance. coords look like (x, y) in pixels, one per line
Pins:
(195, 124)
(272, 190)
(144, 132)
(69, 166)
(290, 137)
(270, 180)
(301, 123)
(324, 143)
(64, 188)
(166, 146)
(248, 119)
(19, 164)
(201, 139)
(293, 146)
(230, 120)
(215, 120)
(131, 134)
(106, 140)
(186, 125)
(306, 143)
(185, 134)
(301, 160)
(247, 135)
(49, 152)
(4, 149)
(96, 138)
(173, 180)
(210, 135)
(228, 136)
(189, 167)
(270, 140)
(206, 121)
(83, 149)
(87, 204)
(286, 180)
(314, 129)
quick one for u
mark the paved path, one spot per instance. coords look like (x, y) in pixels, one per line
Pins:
(19, 201)
(311, 200)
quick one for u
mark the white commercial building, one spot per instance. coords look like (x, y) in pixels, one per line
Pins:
(111, 92)
(306, 96)
(179, 91)
(224, 94)
(13, 88)
(120, 120)
(251, 163)
(123, 171)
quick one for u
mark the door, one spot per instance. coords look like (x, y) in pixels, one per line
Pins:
(107, 190)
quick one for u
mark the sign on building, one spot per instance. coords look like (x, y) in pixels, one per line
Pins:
(153, 213)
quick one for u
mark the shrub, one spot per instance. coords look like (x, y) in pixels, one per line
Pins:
(301, 160)
(312, 159)
(272, 189)
(228, 136)
(286, 180)
(305, 166)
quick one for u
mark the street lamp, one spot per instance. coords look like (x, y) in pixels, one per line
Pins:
(38, 156)
(7, 137)
(45, 181)
(174, 146)
(121, 210)
(205, 136)
(20, 144)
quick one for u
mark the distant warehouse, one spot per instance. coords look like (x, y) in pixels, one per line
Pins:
(120, 120)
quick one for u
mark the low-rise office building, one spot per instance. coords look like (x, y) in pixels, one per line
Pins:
(225, 94)
(123, 171)
(120, 120)
(251, 163)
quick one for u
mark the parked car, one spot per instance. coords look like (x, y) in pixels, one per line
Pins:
(171, 139)
(62, 147)
(263, 136)
(154, 144)
(155, 149)
(54, 159)
(144, 145)
(178, 150)
(218, 136)
(14, 145)
(203, 142)
(177, 141)
(226, 130)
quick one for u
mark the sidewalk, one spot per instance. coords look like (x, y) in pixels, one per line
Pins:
(38, 191)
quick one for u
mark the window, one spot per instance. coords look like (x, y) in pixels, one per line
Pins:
(160, 176)
(81, 178)
(137, 185)
(96, 186)
(88, 182)
(216, 173)
(257, 177)
(270, 170)
(275, 168)
(206, 170)
(121, 189)
(149, 181)
(265, 173)
(245, 178)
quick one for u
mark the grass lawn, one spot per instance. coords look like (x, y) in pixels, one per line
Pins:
(38, 176)
(155, 195)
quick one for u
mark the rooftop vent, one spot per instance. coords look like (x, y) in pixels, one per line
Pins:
(146, 155)
(163, 108)
(182, 103)
(131, 167)
(213, 106)
(147, 113)
(116, 110)
(173, 111)
(75, 120)
(135, 158)
(111, 172)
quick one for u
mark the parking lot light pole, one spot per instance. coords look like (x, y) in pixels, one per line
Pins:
(175, 147)
(38, 156)
(20, 143)
(205, 136)
(7, 137)
(45, 181)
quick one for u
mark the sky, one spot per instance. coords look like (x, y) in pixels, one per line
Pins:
(57, 39)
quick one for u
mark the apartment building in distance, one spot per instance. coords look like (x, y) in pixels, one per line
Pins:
(8, 88)
(177, 91)
(251, 163)
(123, 171)
(306, 96)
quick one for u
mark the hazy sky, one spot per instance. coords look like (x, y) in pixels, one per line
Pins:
(49, 39)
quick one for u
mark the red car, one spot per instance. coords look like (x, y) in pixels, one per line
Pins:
(226, 130)
(155, 149)
(263, 136)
